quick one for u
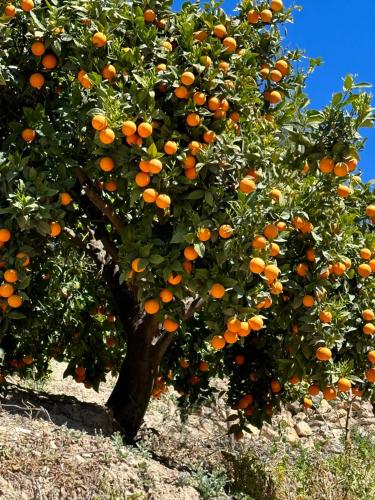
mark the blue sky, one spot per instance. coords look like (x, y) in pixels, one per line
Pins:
(341, 34)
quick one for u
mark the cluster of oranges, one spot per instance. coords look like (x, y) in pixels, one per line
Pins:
(265, 16)
(26, 5)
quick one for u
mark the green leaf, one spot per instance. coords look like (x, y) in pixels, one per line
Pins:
(195, 195)
(152, 151)
(156, 259)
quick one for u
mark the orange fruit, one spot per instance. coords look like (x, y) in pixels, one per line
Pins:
(230, 337)
(6, 290)
(365, 253)
(371, 356)
(193, 119)
(302, 269)
(142, 179)
(370, 375)
(274, 249)
(217, 291)
(11, 275)
(234, 117)
(282, 66)
(253, 17)
(230, 44)
(213, 103)
(166, 295)
(129, 128)
(27, 5)
(341, 169)
(239, 359)
(325, 316)
(277, 5)
(110, 186)
(170, 325)
(344, 191)
(37, 80)
(310, 255)
(308, 301)
(266, 15)
(107, 136)
(99, 39)
(181, 92)
(191, 173)
(344, 384)
(209, 137)
(5, 235)
(220, 31)
(234, 324)
(256, 323)
(28, 134)
(352, 163)
(155, 166)
(10, 10)
(259, 242)
(200, 36)
(372, 265)
(188, 266)
(218, 342)
(38, 48)
(271, 272)
(174, 279)
(313, 390)
(329, 393)
(275, 75)
(206, 61)
(65, 199)
(203, 366)
(275, 97)
(187, 78)
(55, 229)
(275, 386)
(368, 329)
(326, 165)
(108, 72)
(247, 185)
(49, 61)
(136, 266)
(364, 270)
(307, 403)
(368, 315)
(224, 66)
(163, 201)
(199, 98)
(170, 147)
(151, 306)
(294, 380)
(244, 330)
(150, 195)
(161, 67)
(24, 258)
(144, 130)
(370, 210)
(225, 231)
(99, 122)
(190, 253)
(323, 354)
(257, 265)
(281, 226)
(338, 268)
(106, 164)
(276, 194)
(14, 301)
(357, 392)
(204, 234)
(271, 231)
(167, 45)
(195, 147)
(149, 16)
(84, 79)
(190, 162)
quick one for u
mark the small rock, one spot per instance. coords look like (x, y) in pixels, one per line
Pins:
(22, 430)
(291, 435)
(324, 407)
(254, 430)
(269, 433)
(79, 459)
(301, 416)
(303, 429)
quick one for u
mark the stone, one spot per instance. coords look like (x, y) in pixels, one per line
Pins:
(290, 435)
(301, 416)
(324, 407)
(254, 430)
(303, 429)
(269, 433)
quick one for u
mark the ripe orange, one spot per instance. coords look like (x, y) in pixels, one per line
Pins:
(282, 66)
(55, 229)
(364, 270)
(329, 393)
(109, 72)
(199, 98)
(276, 194)
(107, 136)
(341, 169)
(323, 354)
(275, 75)
(275, 386)
(270, 231)
(38, 48)
(294, 380)
(230, 44)
(302, 269)
(84, 79)
(99, 122)
(214, 103)
(65, 199)
(49, 61)
(161, 67)
(344, 191)
(244, 330)
(256, 323)
(188, 266)
(163, 201)
(190, 253)
(325, 316)
(372, 265)
(150, 195)
(338, 268)
(218, 342)
(220, 31)
(136, 266)
(344, 384)
(259, 242)
(110, 186)
(187, 78)
(326, 165)
(313, 390)
(370, 210)
(10, 10)
(174, 279)
(271, 272)
(99, 39)
(204, 234)
(166, 295)
(253, 16)
(308, 301)
(370, 374)
(170, 325)
(5, 235)
(155, 166)
(149, 16)
(274, 249)
(129, 128)
(11, 275)
(167, 45)
(307, 403)
(191, 173)
(230, 337)
(234, 117)
(6, 290)
(170, 147)
(193, 119)
(275, 97)
(195, 147)
(144, 130)
(247, 185)
(142, 179)
(200, 36)
(368, 329)
(365, 253)
(310, 255)
(106, 164)
(234, 324)
(203, 366)
(257, 265)
(181, 92)
(151, 306)
(24, 258)
(225, 231)
(27, 5)
(368, 315)
(281, 226)
(144, 166)
(371, 356)
(352, 163)
(277, 5)
(28, 134)
(209, 136)
(206, 61)
(15, 301)
(265, 72)
(217, 291)
(266, 16)
(37, 80)
(239, 359)
(224, 66)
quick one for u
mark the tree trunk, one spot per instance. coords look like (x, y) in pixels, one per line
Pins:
(132, 392)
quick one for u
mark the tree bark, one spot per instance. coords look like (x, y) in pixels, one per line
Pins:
(131, 395)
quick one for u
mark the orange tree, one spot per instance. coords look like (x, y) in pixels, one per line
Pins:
(167, 198)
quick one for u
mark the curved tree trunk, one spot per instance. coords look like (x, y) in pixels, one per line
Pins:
(131, 395)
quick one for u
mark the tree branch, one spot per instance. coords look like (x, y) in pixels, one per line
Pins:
(193, 307)
(104, 207)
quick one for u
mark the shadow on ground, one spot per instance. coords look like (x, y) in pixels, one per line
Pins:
(59, 409)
